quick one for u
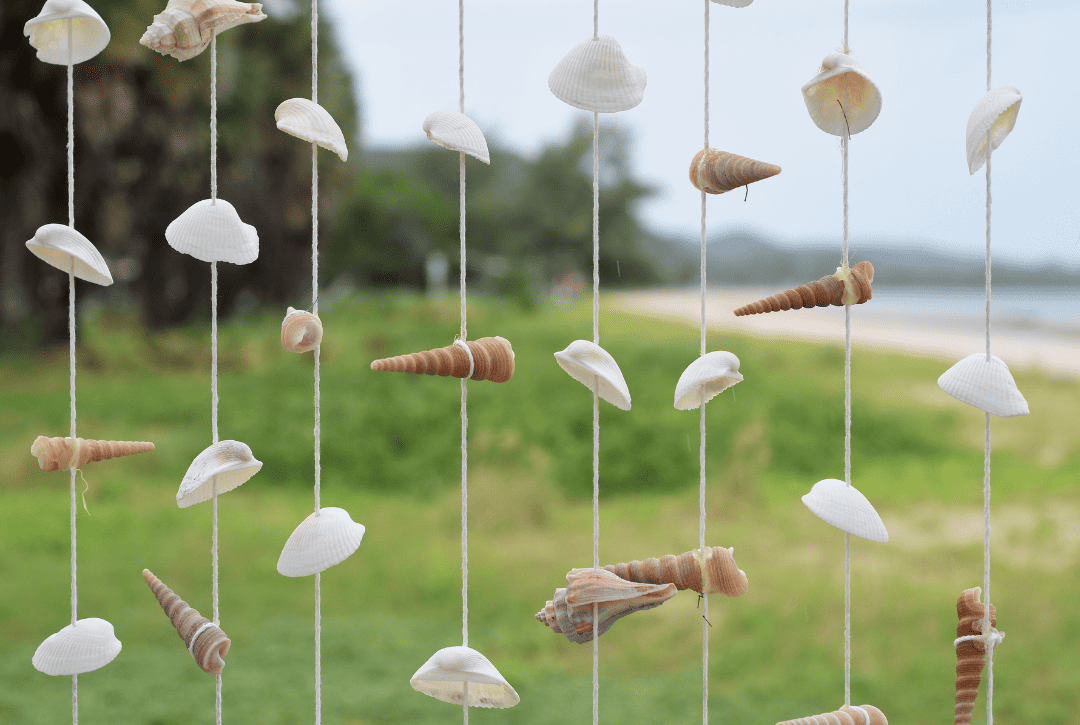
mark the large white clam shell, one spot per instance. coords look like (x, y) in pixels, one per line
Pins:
(825, 93)
(211, 231)
(457, 132)
(444, 674)
(994, 114)
(596, 76)
(85, 646)
(989, 386)
(844, 507)
(593, 366)
(58, 244)
(321, 540)
(49, 34)
(705, 378)
(311, 122)
(228, 463)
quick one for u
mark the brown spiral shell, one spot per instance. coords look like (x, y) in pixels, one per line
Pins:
(56, 453)
(493, 359)
(846, 715)
(715, 172)
(971, 654)
(570, 611)
(684, 571)
(826, 291)
(212, 644)
(301, 331)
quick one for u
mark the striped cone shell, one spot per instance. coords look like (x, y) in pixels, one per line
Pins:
(56, 453)
(846, 715)
(971, 654)
(826, 291)
(493, 359)
(570, 612)
(211, 645)
(715, 172)
(685, 571)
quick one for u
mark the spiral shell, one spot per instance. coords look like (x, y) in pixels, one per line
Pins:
(715, 172)
(210, 643)
(56, 453)
(831, 290)
(570, 612)
(186, 27)
(301, 331)
(685, 571)
(970, 654)
(846, 715)
(492, 359)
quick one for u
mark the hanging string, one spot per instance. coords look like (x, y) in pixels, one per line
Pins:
(701, 447)
(986, 444)
(464, 381)
(596, 388)
(213, 119)
(71, 336)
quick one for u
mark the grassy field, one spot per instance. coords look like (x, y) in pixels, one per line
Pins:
(391, 458)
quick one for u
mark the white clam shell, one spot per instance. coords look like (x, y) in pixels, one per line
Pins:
(844, 507)
(229, 463)
(311, 122)
(994, 114)
(457, 132)
(85, 646)
(592, 365)
(49, 34)
(734, 3)
(320, 541)
(705, 378)
(443, 675)
(213, 232)
(822, 93)
(989, 386)
(596, 76)
(58, 244)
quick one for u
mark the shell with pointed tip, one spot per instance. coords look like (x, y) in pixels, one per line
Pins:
(213, 232)
(319, 542)
(228, 463)
(49, 34)
(301, 331)
(722, 576)
(824, 95)
(830, 290)
(970, 654)
(56, 453)
(988, 386)
(716, 171)
(844, 507)
(447, 671)
(614, 597)
(207, 644)
(994, 115)
(846, 715)
(311, 122)
(596, 76)
(590, 364)
(58, 244)
(457, 132)
(492, 359)
(705, 378)
(185, 27)
(85, 646)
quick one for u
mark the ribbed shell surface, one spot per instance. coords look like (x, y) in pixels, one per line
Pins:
(54, 454)
(593, 366)
(685, 571)
(705, 378)
(842, 78)
(85, 646)
(988, 386)
(319, 542)
(457, 132)
(230, 463)
(48, 32)
(492, 359)
(58, 244)
(311, 122)
(970, 655)
(830, 290)
(445, 671)
(207, 644)
(846, 508)
(716, 172)
(596, 76)
(213, 232)
(994, 114)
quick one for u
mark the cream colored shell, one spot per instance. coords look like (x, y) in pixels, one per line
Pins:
(592, 365)
(596, 76)
(994, 115)
(705, 378)
(211, 231)
(447, 672)
(311, 122)
(185, 27)
(48, 32)
(301, 331)
(844, 507)
(321, 540)
(58, 244)
(844, 82)
(227, 464)
(734, 3)
(457, 132)
(85, 646)
(988, 386)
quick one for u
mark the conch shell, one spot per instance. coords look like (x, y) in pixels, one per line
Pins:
(715, 172)
(204, 639)
(846, 715)
(56, 453)
(489, 358)
(970, 654)
(301, 331)
(685, 571)
(831, 290)
(186, 27)
(571, 610)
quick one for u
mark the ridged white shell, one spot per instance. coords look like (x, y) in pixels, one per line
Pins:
(734, 3)
(989, 386)
(229, 462)
(85, 646)
(49, 34)
(844, 507)
(443, 675)
(590, 364)
(596, 76)
(213, 232)
(457, 132)
(705, 378)
(57, 244)
(311, 122)
(822, 92)
(320, 541)
(995, 114)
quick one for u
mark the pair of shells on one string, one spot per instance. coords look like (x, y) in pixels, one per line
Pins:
(705, 378)
(708, 571)
(185, 27)
(846, 508)
(596, 76)
(715, 172)
(461, 675)
(846, 715)
(321, 540)
(221, 467)
(311, 122)
(211, 231)
(970, 654)
(991, 120)
(842, 98)
(204, 639)
(301, 330)
(489, 358)
(85, 646)
(48, 32)
(839, 289)
(54, 454)
(59, 244)
(457, 132)
(985, 384)
(592, 365)
(570, 612)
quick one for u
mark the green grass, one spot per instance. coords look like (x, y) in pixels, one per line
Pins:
(391, 457)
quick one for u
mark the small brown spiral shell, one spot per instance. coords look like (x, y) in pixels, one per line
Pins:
(301, 331)
(970, 654)
(212, 644)
(493, 359)
(826, 291)
(715, 172)
(684, 571)
(56, 453)
(846, 715)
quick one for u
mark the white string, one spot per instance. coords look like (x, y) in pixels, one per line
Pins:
(71, 335)
(213, 119)
(596, 402)
(844, 147)
(318, 349)
(71, 127)
(464, 382)
(847, 48)
(986, 444)
(701, 447)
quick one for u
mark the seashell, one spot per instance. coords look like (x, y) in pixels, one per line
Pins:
(58, 244)
(590, 364)
(993, 117)
(734, 3)
(489, 358)
(987, 385)
(846, 715)
(844, 507)
(831, 290)
(685, 571)
(226, 463)
(301, 330)
(824, 95)
(970, 654)
(457, 132)
(213, 232)
(596, 76)
(614, 598)
(321, 540)
(311, 122)
(186, 27)
(85, 646)
(705, 378)
(49, 36)
(715, 171)
(452, 672)
(56, 453)
(204, 639)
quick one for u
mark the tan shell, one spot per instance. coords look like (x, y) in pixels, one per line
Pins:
(301, 331)
(186, 27)
(971, 654)
(570, 612)
(831, 290)
(715, 172)
(493, 359)
(211, 645)
(684, 571)
(56, 453)
(846, 715)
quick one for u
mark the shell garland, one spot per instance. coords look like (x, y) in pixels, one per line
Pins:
(56, 453)
(685, 571)
(210, 644)
(835, 289)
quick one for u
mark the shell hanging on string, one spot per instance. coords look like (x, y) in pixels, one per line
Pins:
(596, 76)
(492, 359)
(311, 122)
(614, 596)
(54, 454)
(970, 654)
(593, 366)
(846, 508)
(301, 331)
(58, 244)
(986, 385)
(319, 542)
(705, 378)
(457, 132)
(831, 290)
(715, 172)
(226, 464)
(204, 639)
(185, 27)
(994, 115)
(211, 231)
(722, 576)
(842, 76)
(445, 675)
(85, 646)
(846, 715)
(49, 34)
(734, 3)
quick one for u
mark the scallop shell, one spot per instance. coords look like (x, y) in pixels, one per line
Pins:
(85, 646)
(614, 597)
(229, 463)
(846, 715)
(204, 639)
(596, 76)
(213, 232)
(457, 132)
(994, 115)
(721, 575)
(844, 507)
(453, 671)
(54, 454)
(824, 96)
(970, 654)
(311, 122)
(492, 359)
(705, 378)
(49, 36)
(301, 331)
(715, 171)
(321, 540)
(989, 386)
(186, 27)
(58, 244)
(590, 364)
(833, 289)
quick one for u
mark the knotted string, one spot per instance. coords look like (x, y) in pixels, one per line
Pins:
(213, 347)
(71, 336)
(464, 382)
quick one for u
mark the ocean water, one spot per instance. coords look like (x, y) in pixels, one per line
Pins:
(1053, 310)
